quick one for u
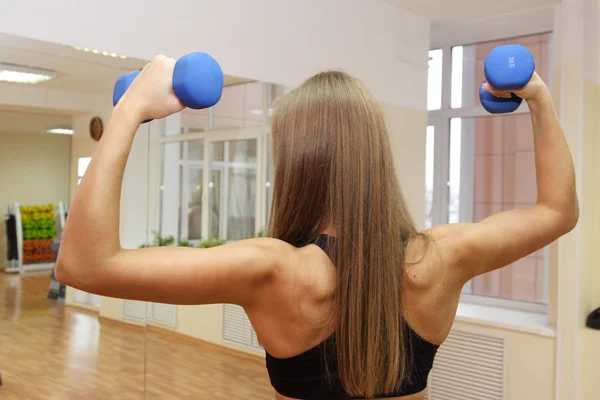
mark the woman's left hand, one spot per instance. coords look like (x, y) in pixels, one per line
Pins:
(151, 95)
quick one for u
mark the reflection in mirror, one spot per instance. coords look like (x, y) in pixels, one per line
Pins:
(198, 178)
(215, 180)
(56, 341)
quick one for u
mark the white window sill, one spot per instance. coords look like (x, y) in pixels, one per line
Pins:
(514, 320)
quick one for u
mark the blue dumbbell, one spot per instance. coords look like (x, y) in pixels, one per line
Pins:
(197, 81)
(507, 67)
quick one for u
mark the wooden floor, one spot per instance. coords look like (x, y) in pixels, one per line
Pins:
(52, 352)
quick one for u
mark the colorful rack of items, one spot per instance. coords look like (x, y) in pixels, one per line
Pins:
(39, 230)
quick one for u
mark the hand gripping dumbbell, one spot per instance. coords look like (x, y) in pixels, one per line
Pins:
(507, 67)
(197, 81)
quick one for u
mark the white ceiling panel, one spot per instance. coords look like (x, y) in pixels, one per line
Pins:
(76, 70)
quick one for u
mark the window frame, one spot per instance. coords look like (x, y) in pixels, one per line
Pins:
(169, 130)
(441, 120)
(206, 165)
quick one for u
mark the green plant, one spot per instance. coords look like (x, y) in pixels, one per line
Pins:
(159, 241)
(261, 233)
(212, 242)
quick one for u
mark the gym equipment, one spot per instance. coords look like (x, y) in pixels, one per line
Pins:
(593, 320)
(197, 81)
(508, 67)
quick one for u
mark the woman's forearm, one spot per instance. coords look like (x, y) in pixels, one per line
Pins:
(554, 165)
(91, 234)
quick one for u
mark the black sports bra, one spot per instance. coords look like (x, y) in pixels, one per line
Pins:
(304, 376)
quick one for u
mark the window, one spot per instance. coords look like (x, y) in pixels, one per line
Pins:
(434, 78)
(212, 164)
(233, 189)
(429, 174)
(484, 164)
(82, 165)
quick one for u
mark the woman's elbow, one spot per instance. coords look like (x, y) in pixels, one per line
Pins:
(569, 218)
(64, 271)
(71, 272)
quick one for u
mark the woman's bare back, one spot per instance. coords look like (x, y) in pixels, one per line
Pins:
(298, 316)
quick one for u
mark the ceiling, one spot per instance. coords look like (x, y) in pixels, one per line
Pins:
(76, 70)
(451, 11)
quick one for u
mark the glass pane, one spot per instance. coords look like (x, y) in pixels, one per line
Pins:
(468, 62)
(458, 61)
(254, 107)
(270, 178)
(221, 123)
(186, 122)
(82, 165)
(217, 151)
(195, 204)
(215, 188)
(193, 121)
(243, 151)
(434, 80)
(429, 171)
(241, 215)
(275, 91)
(492, 169)
(233, 191)
(454, 170)
(170, 190)
(195, 150)
(240, 106)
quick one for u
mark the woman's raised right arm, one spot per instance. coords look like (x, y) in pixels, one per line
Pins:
(503, 238)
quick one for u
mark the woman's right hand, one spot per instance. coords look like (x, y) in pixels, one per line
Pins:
(505, 237)
(535, 90)
(151, 95)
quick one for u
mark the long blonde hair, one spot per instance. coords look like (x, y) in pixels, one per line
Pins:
(334, 166)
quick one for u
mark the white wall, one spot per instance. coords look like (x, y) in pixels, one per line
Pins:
(48, 99)
(34, 169)
(280, 41)
(492, 27)
(30, 120)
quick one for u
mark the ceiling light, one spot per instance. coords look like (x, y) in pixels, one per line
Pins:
(104, 53)
(257, 112)
(22, 74)
(60, 131)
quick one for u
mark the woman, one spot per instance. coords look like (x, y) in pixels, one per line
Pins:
(347, 298)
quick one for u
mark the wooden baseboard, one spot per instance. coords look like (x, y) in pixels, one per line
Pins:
(83, 307)
(121, 324)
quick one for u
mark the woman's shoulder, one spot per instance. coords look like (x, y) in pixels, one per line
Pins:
(422, 261)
